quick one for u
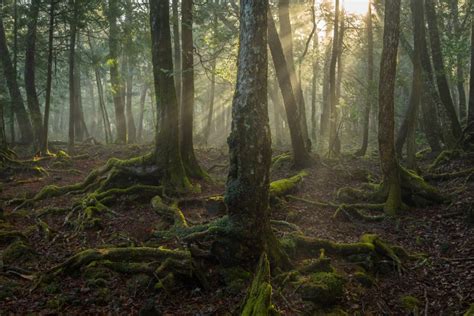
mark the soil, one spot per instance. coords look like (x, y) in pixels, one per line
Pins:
(442, 279)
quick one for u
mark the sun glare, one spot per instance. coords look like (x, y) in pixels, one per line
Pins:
(356, 6)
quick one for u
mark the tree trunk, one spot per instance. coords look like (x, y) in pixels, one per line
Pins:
(30, 71)
(142, 112)
(187, 94)
(370, 82)
(210, 114)
(470, 119)
(326, 109)
(177, 50)
(314, 87)
(16, 99)
(277, 112)
(72, 63)
(249, 144)
(442, 81)
(332, 83)
(286, 38)
(459, 62)
(300, 152)
(388, 66)
(49, 77)
(115, 79)
(130, 62)
(167, 150)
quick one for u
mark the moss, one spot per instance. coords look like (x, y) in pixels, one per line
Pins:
(410, 303)
(322, 288)
(364, 279)
(280, 160)
(443, 157)
(470, 311)
(258, 299)
(62, 155)
(317, 265)
(171, 213)
(235, 278)
(17, 251)
(285, 186)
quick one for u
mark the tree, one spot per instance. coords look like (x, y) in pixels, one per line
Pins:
(187, 94)
(16, 99)
(470, 119)
(332, 82)
(388, 66)
(116, 81)
(167, 153)
(73, 7)
(370, 82)
(49, 77)
(247, 189)
(30, 65)
(440, 72)
(301, 155)
(129, 64)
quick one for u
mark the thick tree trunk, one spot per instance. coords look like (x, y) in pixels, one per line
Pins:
(16, 99)
(300, 152)
(187, 94)
(286, 38)
(30, 71)
(370, 83)
(470, 119)
(72, 63)
(250, 143)
(176, 50)
(49, 77)
(115, 79)
(167, 150)
(441, 79)
(388, 66)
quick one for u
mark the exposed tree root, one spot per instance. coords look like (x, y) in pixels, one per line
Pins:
(10, 165)
(259, 296)
(280, 160)
(444, 157)
(7, 237)
(282, 187)
(449, 175)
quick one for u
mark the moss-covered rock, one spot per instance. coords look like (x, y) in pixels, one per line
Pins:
(322, 288)
(410, 304)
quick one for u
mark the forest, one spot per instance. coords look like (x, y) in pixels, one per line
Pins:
(237, 157)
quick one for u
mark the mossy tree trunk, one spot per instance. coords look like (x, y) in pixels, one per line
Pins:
(113, 12)
(300, 152)
(247, 189)
(16, 99)
(167, 150)
(370, 82)
(440, 71)
(30, 72)
(388, 66)
(187, 94)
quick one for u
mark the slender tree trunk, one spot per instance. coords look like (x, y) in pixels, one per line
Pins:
(177, 50)
(130, 63)
(103, 109)
(314, 87)
(167, 150)
(210, 114)
(15, 65)
(30, 71)
(286, 38)
(332, 82)
(278, 109)
(326, 110)
(49, 77)
(442, 81)
(250, 144)
(16, 99)
(142, 111)
(79, 124)
(300, 152)
(115, 78)
(370, 82)
(72, 64)
(187, 94)
(388, 66)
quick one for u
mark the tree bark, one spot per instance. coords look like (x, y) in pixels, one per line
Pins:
(247, 189)
(314, 87)
(470, 119)
(332, 82)
(187, 94)
(176, 50)
(286, 38)
(370, 82)
(300, 153)
(130, 62)
(142, 112)
(49, 77)
(441, 79)
(30, 71)
(388, 66)
(326, 108)
(115, 78)
(167, 150)
(16, 99)
(72, 65)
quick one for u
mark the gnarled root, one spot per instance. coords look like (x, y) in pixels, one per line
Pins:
(282, 187)
(449, 175)
(10, 165)
(259, 296)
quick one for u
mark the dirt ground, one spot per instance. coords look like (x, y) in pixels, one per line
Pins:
(441, 280)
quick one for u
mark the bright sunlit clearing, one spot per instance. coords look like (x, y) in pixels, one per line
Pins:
(356, 6)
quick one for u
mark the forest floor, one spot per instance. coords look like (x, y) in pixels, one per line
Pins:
(442, 281)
